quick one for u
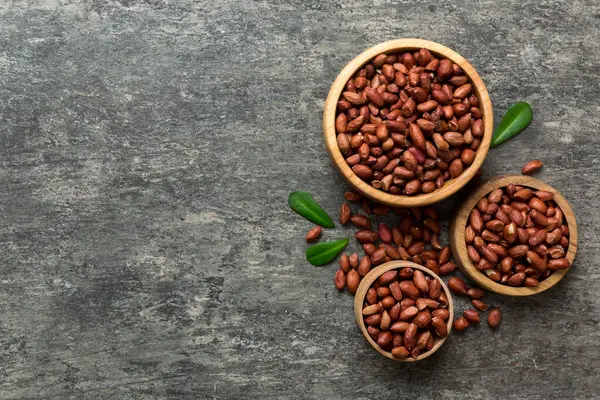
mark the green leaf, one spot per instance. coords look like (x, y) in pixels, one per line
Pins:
(322, 253)
(304, 204)
(518, 116)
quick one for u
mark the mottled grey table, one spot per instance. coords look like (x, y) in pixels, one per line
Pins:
(147, 150)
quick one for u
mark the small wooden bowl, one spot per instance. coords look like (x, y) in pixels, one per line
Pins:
(459, 247)
(451, 186)
(361, 292)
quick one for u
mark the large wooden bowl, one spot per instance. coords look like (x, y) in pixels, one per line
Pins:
(451, 186)
(459, 246)
(361, 292)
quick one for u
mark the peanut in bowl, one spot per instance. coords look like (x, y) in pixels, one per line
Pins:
(514, 235)
(404, 310)
(408, 122)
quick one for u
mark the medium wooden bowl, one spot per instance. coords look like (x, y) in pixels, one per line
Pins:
(361, 292)
(459, 247)
(451, 186)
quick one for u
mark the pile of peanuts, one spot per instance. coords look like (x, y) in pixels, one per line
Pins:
(517, 236)
(408, 122)
(404, 311)
(415, 239)
(470, 316)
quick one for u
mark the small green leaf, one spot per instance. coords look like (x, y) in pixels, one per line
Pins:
(518, 116)
(304, 204)
(322, 253)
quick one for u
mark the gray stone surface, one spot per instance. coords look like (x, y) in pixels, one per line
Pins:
(148, 148)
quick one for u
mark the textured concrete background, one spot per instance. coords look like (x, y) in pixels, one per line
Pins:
(147, 151)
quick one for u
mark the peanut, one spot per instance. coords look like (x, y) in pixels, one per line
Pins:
(532, 167)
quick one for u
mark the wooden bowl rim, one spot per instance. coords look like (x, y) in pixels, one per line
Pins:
(451, 186)
(372, 276)
(457, 235)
